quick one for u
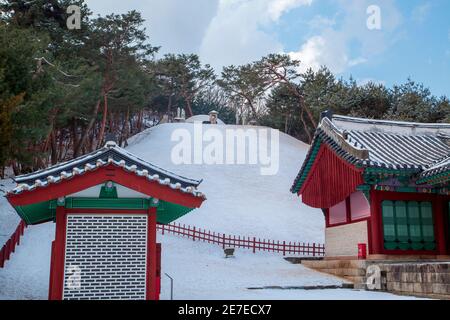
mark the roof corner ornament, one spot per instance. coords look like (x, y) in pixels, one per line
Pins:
(326, 114)
(111, 140)
(341, 139)
(110, 144)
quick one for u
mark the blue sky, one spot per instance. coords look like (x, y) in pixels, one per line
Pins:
(412, 38)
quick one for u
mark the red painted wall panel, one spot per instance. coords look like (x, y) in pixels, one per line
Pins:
(330, 180)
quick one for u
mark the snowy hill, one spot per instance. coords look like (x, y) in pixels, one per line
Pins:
(240, 200)
(8, 217)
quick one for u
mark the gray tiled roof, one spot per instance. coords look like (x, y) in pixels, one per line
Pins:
(418, 148)
(398, 151)
(110, 154)
(439, 168)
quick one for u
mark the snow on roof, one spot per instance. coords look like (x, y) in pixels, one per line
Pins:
(394, 144)
(439, 168)
(390, 145)
(400, 127)
(202, 118)
(110, 154)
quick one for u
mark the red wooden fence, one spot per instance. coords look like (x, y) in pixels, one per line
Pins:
(10, 245)
(253, 243)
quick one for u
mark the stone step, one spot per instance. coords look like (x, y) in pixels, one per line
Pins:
(300, 260)
(335, 264)
(359, 286)
(356, 279)
(344, 272)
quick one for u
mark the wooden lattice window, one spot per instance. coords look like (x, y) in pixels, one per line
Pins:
(408, 225)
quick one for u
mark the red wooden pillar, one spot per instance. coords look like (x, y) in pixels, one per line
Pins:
(58, 256)
(158, 270)
(376, 241)
(152, 289)
(439, 225)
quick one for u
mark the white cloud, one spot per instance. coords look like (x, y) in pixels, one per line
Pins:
(276, 8)
(222, 32)
(335, 46)
(420, 13)
(176, 25)
(316, 52)
(225, 32)
(238, 32)
(319, 23)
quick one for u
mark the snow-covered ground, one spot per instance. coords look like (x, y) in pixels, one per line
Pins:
(205, 274)
(26, 275)
(8, 217)
(200, 272)
(240, 201)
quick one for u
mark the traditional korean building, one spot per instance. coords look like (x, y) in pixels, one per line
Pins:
(106, 205)
(382, 185)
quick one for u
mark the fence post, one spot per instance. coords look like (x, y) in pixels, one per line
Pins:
(11, 245)
(7, 248)
(2, 257)
(181, 229)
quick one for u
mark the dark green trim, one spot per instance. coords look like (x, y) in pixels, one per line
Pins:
(169, 212)
(309, 165)
(105, 203)
(396, 172)
(363, 187)
(38, 212)
(402, 189)
(46, 211)
(108, 193)
(442, 177)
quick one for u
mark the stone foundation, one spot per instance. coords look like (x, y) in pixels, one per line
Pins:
(417, 278)
(420, 279)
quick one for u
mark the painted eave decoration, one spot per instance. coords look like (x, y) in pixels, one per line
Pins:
(36, 194)
(379, 149)
(437, 174)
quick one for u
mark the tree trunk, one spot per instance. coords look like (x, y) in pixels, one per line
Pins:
(286, 124)
(169, 105)
(85, 135)
(125, 133)
(310, 138)
(53, 148)
(103, 123)
(139, 124)
(189, 108)
(74, 135)
(62, 145)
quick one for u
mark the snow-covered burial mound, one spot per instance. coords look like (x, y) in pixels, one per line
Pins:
(240, 200)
